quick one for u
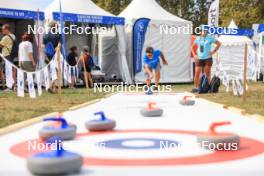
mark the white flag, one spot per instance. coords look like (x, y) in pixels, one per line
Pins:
(252, 63)
(46, 77)
(226, 81)
(239, 87)
(9, 74)
(39, 82)
(20, 83)
(53, 67)
(74, 73)
(31, 88)
(65, 71)
(213, 14)
(234, 87)
(69, 74)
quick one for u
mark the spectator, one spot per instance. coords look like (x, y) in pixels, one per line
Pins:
(203, 58)
(152, 63)
(72, 61)
(6, 45)
(86, 64)
(192, 55)
(25, 54)
(51, 41)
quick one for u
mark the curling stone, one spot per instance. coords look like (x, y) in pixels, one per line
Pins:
(56, 162)
(213, 140)
(186, 101)
(65, 131)
(102, 124)
(150, 111)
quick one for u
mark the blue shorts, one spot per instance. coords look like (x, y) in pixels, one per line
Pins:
(157, 68)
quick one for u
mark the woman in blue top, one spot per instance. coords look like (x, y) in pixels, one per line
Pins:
(203, 59)
(152, 62)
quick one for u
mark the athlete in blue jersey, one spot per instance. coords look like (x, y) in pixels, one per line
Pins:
(152, 62)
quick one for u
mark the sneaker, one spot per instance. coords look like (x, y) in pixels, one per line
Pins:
(155, 89)
(195, 90)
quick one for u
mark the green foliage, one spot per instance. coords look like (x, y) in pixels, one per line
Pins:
(113, 6)
(244, 12)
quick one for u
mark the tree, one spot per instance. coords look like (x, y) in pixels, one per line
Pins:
(244, 12)
(113, 6)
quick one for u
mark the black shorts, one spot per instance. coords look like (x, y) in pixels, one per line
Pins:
(88, 69)
(203, 63)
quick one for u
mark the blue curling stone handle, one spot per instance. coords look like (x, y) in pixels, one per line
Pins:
(63, 121)
(102, 115)
(54, 154)
(59, 152)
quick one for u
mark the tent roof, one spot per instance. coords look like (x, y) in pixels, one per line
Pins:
(22, 9)
(234, 40)
(148, 9)
(81, 11)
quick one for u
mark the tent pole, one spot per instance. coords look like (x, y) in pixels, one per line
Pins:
(59, 72)
(245, 73)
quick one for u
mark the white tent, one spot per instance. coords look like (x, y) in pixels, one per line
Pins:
(231, 54)
(20, 14)
(85, 12)
(176, 47)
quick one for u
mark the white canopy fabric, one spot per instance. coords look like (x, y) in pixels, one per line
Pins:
(231, 55)
(175, 46)
(149, 9)
(76, 7)
(234, 40)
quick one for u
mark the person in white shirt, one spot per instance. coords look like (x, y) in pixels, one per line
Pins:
(25, 54)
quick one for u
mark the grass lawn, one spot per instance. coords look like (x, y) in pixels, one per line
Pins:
(254, 98)
(14, 109)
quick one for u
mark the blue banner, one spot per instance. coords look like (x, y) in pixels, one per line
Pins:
(21, 14)
(261, 28)
(230, 31)
(139, 32)
(89, 19)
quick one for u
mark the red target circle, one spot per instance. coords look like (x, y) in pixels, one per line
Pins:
(248, 148)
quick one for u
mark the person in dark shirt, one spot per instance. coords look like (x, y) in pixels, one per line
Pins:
(86, 63)
(51, 38)
(51, 41)
(72, 61)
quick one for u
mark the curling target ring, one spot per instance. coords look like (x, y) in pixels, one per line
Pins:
(249, 148)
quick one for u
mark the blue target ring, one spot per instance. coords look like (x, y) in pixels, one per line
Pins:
(152, 143)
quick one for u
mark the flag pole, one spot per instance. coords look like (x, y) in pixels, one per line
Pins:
(59, 71)
(38, 36)
(245, 73)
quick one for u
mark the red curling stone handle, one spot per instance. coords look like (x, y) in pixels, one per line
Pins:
(217, 124)
(185, 98)
(151, 104)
